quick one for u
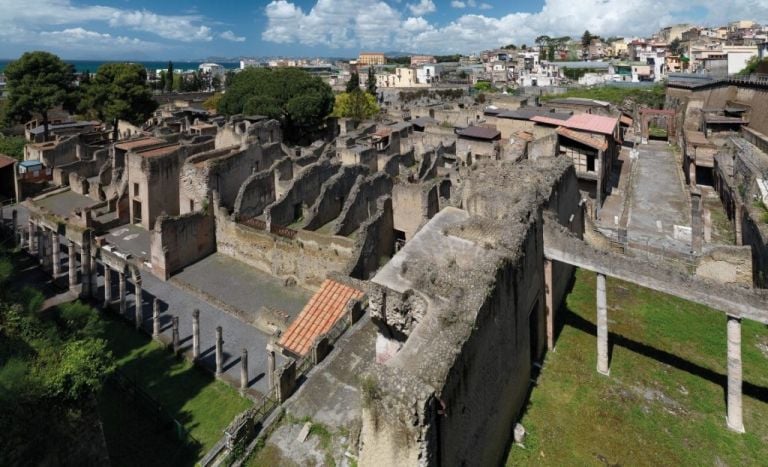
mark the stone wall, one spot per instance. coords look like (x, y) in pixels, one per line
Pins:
(361, 203)
(307, 258)
(543, 147)
(333, 196)
(255, 194)
(375, 241)
(303, 192)
(726, 264)
(413, 205)
(239, 132)
(54, 153)
(177, 242)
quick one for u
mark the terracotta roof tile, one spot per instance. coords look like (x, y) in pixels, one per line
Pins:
(593, 141)
(319, 315)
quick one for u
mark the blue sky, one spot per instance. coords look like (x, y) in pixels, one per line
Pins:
(173, 29)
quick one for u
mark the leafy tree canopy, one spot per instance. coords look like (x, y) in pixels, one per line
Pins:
(119, 91)
(357, 105)
(300, 101)
(354, 82)
(36, 83)
(12, 146)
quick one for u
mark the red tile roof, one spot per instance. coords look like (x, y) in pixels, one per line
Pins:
(592, 123)
(319, 315)
(548, 120)
(593, 141)
(5, 161)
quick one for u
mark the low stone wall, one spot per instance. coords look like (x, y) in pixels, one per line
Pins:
(303, 192)
(307, 258)
(726, 264)
(177, 242)
(362, 203)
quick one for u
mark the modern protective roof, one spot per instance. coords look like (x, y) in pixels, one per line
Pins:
(480, 132)
(319, 315)
(592, 123)
(138, 143)
(593, 141)
(60, 126)
(5, 161)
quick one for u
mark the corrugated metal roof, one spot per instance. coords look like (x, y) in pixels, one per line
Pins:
(592, 123)
(593, 141)
(480, 132)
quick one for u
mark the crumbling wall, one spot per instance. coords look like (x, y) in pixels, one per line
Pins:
(302, 193)
(543, 147)
(361, 203)
(307, 258)
(332, 196)
(255, 194)
(54, 153)
(413, 205)
(177, 242)
(375, 241)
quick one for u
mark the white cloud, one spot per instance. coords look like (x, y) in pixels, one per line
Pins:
(355, 24)
(230, 36)
(422, 8)
(39, 15)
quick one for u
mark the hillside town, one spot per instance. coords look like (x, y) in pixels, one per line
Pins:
(380, 261)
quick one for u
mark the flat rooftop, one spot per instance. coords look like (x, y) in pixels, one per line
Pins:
(138, 143)
(62, 204)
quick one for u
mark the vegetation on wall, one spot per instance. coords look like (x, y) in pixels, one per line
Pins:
(652, 97)
(12, 146)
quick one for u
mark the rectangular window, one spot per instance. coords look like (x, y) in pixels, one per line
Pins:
(135, 189)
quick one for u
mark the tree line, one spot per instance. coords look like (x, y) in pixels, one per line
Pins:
(40, 81)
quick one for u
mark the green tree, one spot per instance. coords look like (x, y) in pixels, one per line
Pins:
(170, 78)
(212, 103)
(357, 105)
(354, 82)
(119, 91)
(753, 65)
(371, 85)
(675, 47)
(161, 85)
(299, 100)
(12, 146)
(216, 83)
(36, 83)
(586, 39)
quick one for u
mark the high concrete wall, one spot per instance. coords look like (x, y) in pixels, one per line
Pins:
(255, 194)
(177, 242)
(333, 196)
(308, 258)
(375, 241)
(361, 203)
(303, 192)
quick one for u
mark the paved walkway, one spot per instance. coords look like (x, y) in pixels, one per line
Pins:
(659, 210)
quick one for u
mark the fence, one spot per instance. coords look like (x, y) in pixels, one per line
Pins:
(278, 230)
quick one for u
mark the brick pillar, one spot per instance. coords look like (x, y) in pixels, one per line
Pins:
(107, 286)
(175, 334)
(71, 270)
(244, 370)
(548, 303)
(196, 334)
(734, 420)
(55, 253)
(219, 351)
(121, 287)
(85, 267)
(602, 326)
(156, 318)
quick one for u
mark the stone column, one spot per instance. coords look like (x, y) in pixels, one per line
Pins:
(219, 351)
(71, 270)
(138, 314)
(107, 286)
(602, 326)
(270, 369)
(55, 253)
(244, 370)
(45, 249)
(156, 318)
(737, 218)
(14, 224)
(32, 238)
(94, 276)
(85, 267)
(548, 302)
(196, 334)
(121, 287)
(175, 334)
(734, 419)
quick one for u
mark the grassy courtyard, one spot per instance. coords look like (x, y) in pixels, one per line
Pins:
(664, 401)
(203, 405)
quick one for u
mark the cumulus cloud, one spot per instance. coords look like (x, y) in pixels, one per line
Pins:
(230, 36)
(37, 16)
(373, 23)
(422, 8)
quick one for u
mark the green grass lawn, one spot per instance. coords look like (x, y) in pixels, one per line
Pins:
(202, 404)
(664, 401)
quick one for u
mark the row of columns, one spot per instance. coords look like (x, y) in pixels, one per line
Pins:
(46, 244)
(734, 417)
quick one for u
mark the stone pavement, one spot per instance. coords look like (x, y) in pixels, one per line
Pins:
(659, 209)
